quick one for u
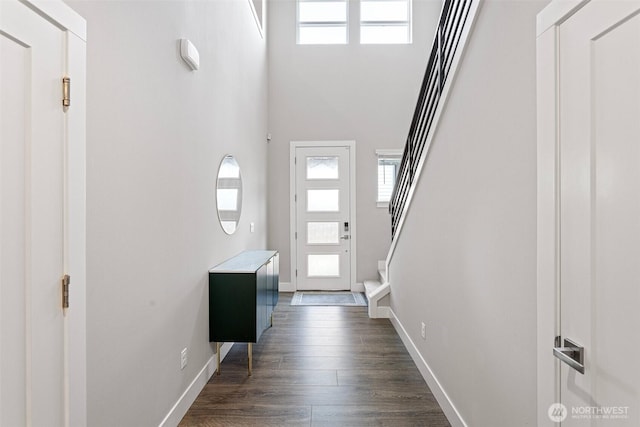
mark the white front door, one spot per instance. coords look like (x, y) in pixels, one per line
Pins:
(35, 344)
(324, 223)
(598, 160)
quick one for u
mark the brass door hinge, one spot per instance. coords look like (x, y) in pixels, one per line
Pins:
(65, 290)
(66, 92)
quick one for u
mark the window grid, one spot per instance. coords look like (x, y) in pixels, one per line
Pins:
(319, 30)
(372, 31)
(327, 21)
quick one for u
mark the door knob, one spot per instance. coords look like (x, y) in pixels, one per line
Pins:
(345, 237)
(570, 353)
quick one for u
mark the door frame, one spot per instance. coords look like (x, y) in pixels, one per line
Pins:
(74, 252)
(292, 204)
(548, 198)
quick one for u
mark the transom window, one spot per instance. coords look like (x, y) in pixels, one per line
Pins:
(385, 21)
(327, 21)
(322, 21)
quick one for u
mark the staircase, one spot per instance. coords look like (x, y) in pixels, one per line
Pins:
(454, 27)
(376, 291)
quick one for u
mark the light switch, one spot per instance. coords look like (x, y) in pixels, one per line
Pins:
(252, 227)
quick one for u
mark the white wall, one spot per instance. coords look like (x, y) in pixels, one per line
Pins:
(365, 93)
(156, 134)
(465, 263)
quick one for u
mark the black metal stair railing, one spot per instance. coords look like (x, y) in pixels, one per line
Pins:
(450, 29)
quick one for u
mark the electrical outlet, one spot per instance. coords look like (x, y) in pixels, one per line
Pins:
(423, 331)
(183, 358)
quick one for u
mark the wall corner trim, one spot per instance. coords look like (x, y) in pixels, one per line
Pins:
(189, 396)
(441, 396)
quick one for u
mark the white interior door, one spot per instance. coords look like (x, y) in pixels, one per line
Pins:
(323, 218)
(599, 160)
(35, 344)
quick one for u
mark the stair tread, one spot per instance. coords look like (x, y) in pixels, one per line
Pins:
(370, 286)
(374, 291)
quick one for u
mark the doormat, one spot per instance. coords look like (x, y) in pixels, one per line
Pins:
(329, 298)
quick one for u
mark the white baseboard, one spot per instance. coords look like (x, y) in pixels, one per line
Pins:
(286, 287)
(441, 396)
(357, 287)
(191, 393)
(379, 311)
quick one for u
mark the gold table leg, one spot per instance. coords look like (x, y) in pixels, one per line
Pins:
(250, 351)
(218, 358)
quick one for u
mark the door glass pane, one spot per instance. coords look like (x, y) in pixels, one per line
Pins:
(319, 233)
(323, 200)
(322, 168)
(324, 265)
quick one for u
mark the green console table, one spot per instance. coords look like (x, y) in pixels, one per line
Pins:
(243, 292)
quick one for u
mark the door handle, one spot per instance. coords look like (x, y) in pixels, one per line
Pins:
(570, 353)
(345, 237)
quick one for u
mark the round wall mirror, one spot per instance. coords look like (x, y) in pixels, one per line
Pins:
(229, 194)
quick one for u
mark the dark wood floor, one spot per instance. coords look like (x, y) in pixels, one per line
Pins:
(319, 366)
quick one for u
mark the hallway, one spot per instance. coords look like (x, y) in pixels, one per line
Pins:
(319, 366)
